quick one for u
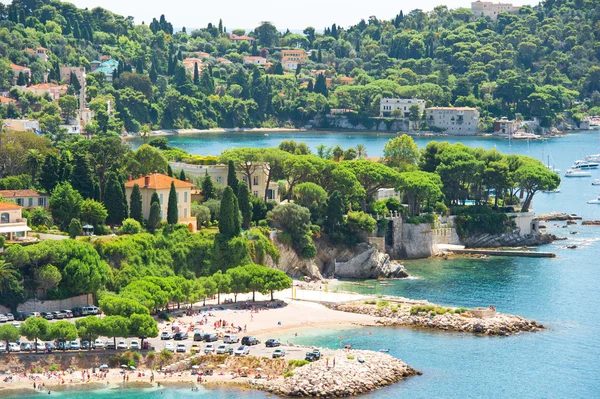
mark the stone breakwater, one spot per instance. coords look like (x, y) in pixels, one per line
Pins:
(449, 319)
(354, 372)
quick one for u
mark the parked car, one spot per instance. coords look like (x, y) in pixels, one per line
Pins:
(166, 335)
(3, 318)
(209, 348)
(14, 347)
(16, 324)
(26, 346)
(34, 314)
(20, 316)
(50, 346)
(249, 341)
(242, 351)
(181, 348)
(180, 336)
(134, 345)
(10, 317)
(230, 339)
(59, 315)
(198, 336)
(99, 344)
(85, 345)
(80, 311)
(211, 337)
(2, 347)
(67, 313)
(195, 348)
(47, 315)
(272, 343)
(313, 356)
(170, 347)
(63, 345)
(110, 344)
(278, 353)
(147, 346)
(39, 346)
(224, 349)
(122, 344)
(92, 310)
(317, 353)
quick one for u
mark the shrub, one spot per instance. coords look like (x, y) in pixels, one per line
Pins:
(130, 226)
(395, 309)
(164, 316)
(297, 363)
(288, 374)
(350, 357)
(370, 302)
(53, 367)
(382, 304)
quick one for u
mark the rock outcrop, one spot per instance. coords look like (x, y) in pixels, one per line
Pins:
(557, 216)
(292, 264)
(401, 315)
(590, 223)
(355, 372)
(509, 239)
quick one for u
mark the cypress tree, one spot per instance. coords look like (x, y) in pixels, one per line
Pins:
(229, 225)
(21, 79)
(319, 56)
(310, 86)
(245, 205)
(135, 207)
(169, 170)
(154, 198)
(232, 180)
(50, 177)
(154, 216)
(182, 175)
(196, 74)
(139, 66)
(237, 222)
(125, 204)
(114, 200)
(82, 179)
(172, 212)
(97, 196)
(208, 188)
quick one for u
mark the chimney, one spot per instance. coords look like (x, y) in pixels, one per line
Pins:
(140, 176)
(187, 179)
(129, 178)
(146, 181)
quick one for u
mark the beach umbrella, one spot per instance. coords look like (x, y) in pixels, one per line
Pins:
(258, 369)
(195, 367)
(131, 367)
(245, 368)
(103, 367)
(123, 366)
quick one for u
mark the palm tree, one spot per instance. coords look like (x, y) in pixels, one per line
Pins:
(33, 161)
(361, 151)
(7, 272)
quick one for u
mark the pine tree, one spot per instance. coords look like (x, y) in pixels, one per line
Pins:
(114, 198)
(208, 188)
(334, 212)
(82, 178)
(135, 207)
(245, 205)
(169, 171)
(182, 176)
(172, 212)
(139, 66)
(229, 225)
(196, 74)
(232, 180)
(50, 177)
(278, 69)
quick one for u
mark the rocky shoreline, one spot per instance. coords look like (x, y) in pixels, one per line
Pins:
(346, 373)
(475, 321)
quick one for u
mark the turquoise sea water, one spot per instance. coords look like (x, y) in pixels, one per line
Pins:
(562, 293)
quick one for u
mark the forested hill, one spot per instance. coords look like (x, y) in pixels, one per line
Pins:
(539, 62)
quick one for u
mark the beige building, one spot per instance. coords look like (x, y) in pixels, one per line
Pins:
(489, 9)
(506, 126)
(52, 90)
(291, 58)
(243, 38)
(454, 120)
(250, 59)
(219, 175)
(389, 105)
(79, 72)
(17, 69)
(161, 185)
(42, 53)
(21, 125)
(12, 225)
(26, 198)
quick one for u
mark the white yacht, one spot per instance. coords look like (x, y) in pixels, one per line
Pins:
(577, 173)
(585, 165)
(521, 135)
(594, 201)
(593, 158)
(596, 182)
(555, 191)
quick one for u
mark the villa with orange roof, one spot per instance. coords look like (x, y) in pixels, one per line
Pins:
(161, 185)
(292, 58)
(17, 69)
(242, 38)
(53, 90)
(188, 64)
(7, 100)
(12, 225)
(346, 80)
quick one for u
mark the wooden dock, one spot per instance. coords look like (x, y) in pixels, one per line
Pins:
(522, 254)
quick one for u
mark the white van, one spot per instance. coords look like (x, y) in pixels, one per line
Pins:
(230, 339)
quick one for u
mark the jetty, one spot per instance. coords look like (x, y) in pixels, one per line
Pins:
(489, 252)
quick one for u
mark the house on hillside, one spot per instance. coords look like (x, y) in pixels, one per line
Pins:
(107, 67)
(12, 225)
(161, 185)
(242, 38)
(292, 58)
(256, 60)
(388, 105)
(454, 120)
(17, 69)
(26, 198)
(52, 90)
(21, 125)
(66, 71)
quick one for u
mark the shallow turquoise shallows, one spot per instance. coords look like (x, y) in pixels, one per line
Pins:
(562, 293)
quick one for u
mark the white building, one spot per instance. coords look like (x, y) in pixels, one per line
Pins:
(384, 193)
(454, 120)
(250, 59)
(389, 105)
(21, 125)
(489, 9)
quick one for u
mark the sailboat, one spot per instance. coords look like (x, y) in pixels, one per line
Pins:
(549, 166)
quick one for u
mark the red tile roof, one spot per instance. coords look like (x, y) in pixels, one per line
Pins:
(7, 194)
(19, 67)
(9, 206)
(158, 181)
(5, 100)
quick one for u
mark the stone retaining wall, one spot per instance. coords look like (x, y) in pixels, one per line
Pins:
(34, 305)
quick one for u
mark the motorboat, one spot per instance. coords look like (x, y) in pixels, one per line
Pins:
(594, 201)
(555, 191)
(521, 135)
(593, 158)
(596, 182)
(577, 173)
(585, 165)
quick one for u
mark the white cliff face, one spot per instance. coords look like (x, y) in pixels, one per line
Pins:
(292, 264)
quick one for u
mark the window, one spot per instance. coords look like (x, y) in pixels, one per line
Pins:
(185, 197)
(5, 218)
(41, 201)
(256, 193)
(219, 179)
(20, 201)
(30, 202)
(255, 182)
(185, 212)
(177, 194)
(161, 199)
